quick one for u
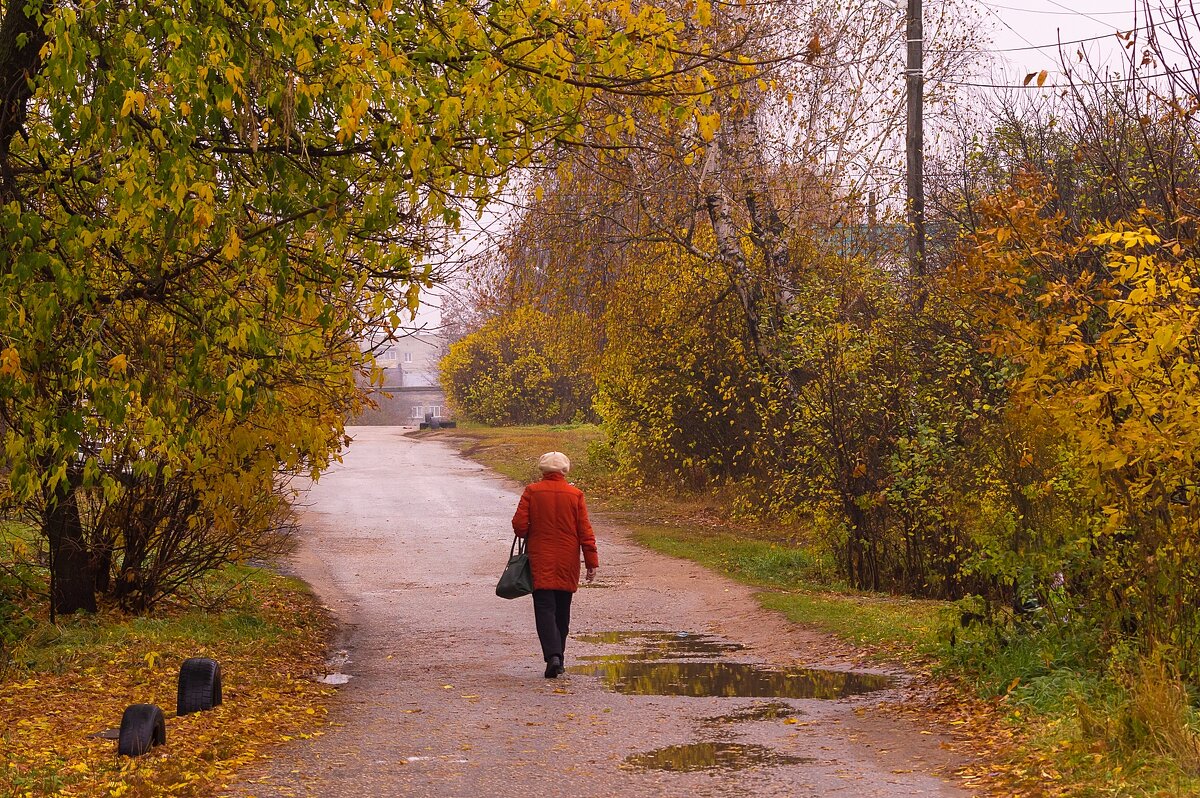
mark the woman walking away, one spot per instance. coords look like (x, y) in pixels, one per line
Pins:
(553, 518)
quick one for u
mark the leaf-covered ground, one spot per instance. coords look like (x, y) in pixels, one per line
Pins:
(68, 682)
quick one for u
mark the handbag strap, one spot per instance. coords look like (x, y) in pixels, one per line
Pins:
(520, 549)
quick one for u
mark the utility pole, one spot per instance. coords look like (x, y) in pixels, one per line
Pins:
(914, 74)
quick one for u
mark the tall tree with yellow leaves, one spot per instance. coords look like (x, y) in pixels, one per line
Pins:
(204, 204)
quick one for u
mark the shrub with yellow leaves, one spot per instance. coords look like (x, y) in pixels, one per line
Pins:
(1104, 325)
(523, 367)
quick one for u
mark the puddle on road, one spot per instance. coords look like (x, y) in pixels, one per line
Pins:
(731, 679)
(664, 645)
(647, 670)
(333, 668)
(758, 712)
(711, 756)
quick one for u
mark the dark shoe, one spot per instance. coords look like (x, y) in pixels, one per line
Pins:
(554, 667)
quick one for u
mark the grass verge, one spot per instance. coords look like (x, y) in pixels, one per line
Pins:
(68, 681)
(1029, 713)
(796, 584)
(514, 451)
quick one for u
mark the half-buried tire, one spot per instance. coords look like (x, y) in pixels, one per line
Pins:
(142, 728)
(199, 685)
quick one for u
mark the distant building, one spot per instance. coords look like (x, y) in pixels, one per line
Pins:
(411, 382)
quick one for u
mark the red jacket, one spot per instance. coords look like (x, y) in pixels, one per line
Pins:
(553, 517)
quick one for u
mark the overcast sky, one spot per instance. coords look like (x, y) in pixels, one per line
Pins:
(1028, 23)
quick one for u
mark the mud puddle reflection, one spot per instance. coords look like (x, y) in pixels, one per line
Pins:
(667, 663)
(758, 712)
(710, 756)
(664, 645)
(730, 679)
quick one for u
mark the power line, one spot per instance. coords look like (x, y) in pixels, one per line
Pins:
(1032, 85)
(1077, 13)
(1093, 18)
(1058, 44)
(1055, 13)
(1004, 22)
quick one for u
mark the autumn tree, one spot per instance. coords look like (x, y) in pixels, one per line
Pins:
(755, 329)
(1079, 275)
(205, 205)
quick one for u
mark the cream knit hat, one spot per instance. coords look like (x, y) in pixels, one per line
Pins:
(554, 461)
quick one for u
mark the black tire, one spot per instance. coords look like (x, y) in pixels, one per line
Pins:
(142, 728)
(199, 685)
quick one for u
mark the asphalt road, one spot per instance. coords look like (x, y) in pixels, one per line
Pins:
(405, 540)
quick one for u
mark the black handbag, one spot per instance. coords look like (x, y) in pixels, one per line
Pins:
(517, 580)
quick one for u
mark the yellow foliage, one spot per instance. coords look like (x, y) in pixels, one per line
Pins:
(10, 362)
(1104, 325)
(524, 366)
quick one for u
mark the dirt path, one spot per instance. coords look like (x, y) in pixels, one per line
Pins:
(405, 541)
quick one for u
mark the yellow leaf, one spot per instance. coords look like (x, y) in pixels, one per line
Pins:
(10, 362)
(135, 102)
(707, 124)
(232, 247)
(117, 364)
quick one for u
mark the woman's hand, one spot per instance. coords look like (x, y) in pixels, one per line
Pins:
(591, 574)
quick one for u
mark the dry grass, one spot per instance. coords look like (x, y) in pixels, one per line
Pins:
(1159, 714)
(1152, 716)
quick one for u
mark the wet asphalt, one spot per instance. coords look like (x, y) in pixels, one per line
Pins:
(674, 674)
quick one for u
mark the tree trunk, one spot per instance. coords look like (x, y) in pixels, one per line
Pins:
(21, 40)
(72, 580)
(737, 167)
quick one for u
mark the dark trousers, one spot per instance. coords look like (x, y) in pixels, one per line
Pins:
(552, 614)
